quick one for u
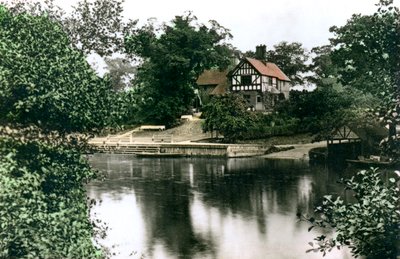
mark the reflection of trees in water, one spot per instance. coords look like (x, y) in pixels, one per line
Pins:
(165, 205)
(252, 188)
(254, 192)
(162, 187)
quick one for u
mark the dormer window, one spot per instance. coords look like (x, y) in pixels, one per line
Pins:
(245, 80)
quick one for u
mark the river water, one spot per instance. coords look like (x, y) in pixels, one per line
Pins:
(209, 207)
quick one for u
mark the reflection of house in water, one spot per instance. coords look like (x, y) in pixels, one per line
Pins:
(261, 83)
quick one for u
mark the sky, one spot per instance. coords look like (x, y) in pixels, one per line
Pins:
(254, 22)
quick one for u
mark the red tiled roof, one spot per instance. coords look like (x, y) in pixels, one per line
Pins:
(268, 69)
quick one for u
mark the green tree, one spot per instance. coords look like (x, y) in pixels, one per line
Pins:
(173, 58)
(324, 71)
(45, 81)
(366, 53)
(48, 92)
(93, 26)
(120, 72)
(367, 49)
(369, 225)
(98, 26)
(229, 116)
(291, 58)
(336, 106)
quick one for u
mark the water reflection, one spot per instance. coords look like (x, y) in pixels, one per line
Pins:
(209, 208)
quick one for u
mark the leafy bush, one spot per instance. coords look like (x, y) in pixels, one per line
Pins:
(272, 125)
(42, 199)
(370, 225)
(229, 116)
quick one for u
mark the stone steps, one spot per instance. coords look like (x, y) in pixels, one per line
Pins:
(128, 149)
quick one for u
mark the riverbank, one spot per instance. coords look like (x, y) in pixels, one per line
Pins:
(189, 140)
(299, 151)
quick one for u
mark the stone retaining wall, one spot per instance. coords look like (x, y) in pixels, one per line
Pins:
(187, 149)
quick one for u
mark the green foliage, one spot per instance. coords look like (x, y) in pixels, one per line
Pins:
(268, 125)
(98, 26)
(35, 8)
(120, 72)
(173, 58)
(329, 114)
(229, 116)
(291, 58)
(92, 26)
(367, 50)
(370, 225)
(323, 68)
(123, 109)
(44, 80)
(42, 198)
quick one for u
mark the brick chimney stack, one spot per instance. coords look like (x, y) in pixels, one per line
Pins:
(261, 53)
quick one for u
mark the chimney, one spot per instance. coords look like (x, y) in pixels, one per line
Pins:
(261, 51)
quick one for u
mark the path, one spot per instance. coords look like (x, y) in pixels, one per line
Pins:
(190, 130)
(300, 151)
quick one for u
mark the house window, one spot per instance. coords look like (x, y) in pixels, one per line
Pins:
(270, 80)
(258, 98)
(245, 80)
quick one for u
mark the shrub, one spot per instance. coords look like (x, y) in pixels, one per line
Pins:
(42, 199)
(370, 225)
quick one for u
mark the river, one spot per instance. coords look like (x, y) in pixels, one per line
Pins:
(209, 207)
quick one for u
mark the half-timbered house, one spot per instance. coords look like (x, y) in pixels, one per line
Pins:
(261, 83)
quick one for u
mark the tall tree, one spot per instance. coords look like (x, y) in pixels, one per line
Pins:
(324, 71)
(174, 55)
(291, 58)
(95, 26)
(47, 93)
(367, 52)
(367, 49)
(98, 26)
(45, 81)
